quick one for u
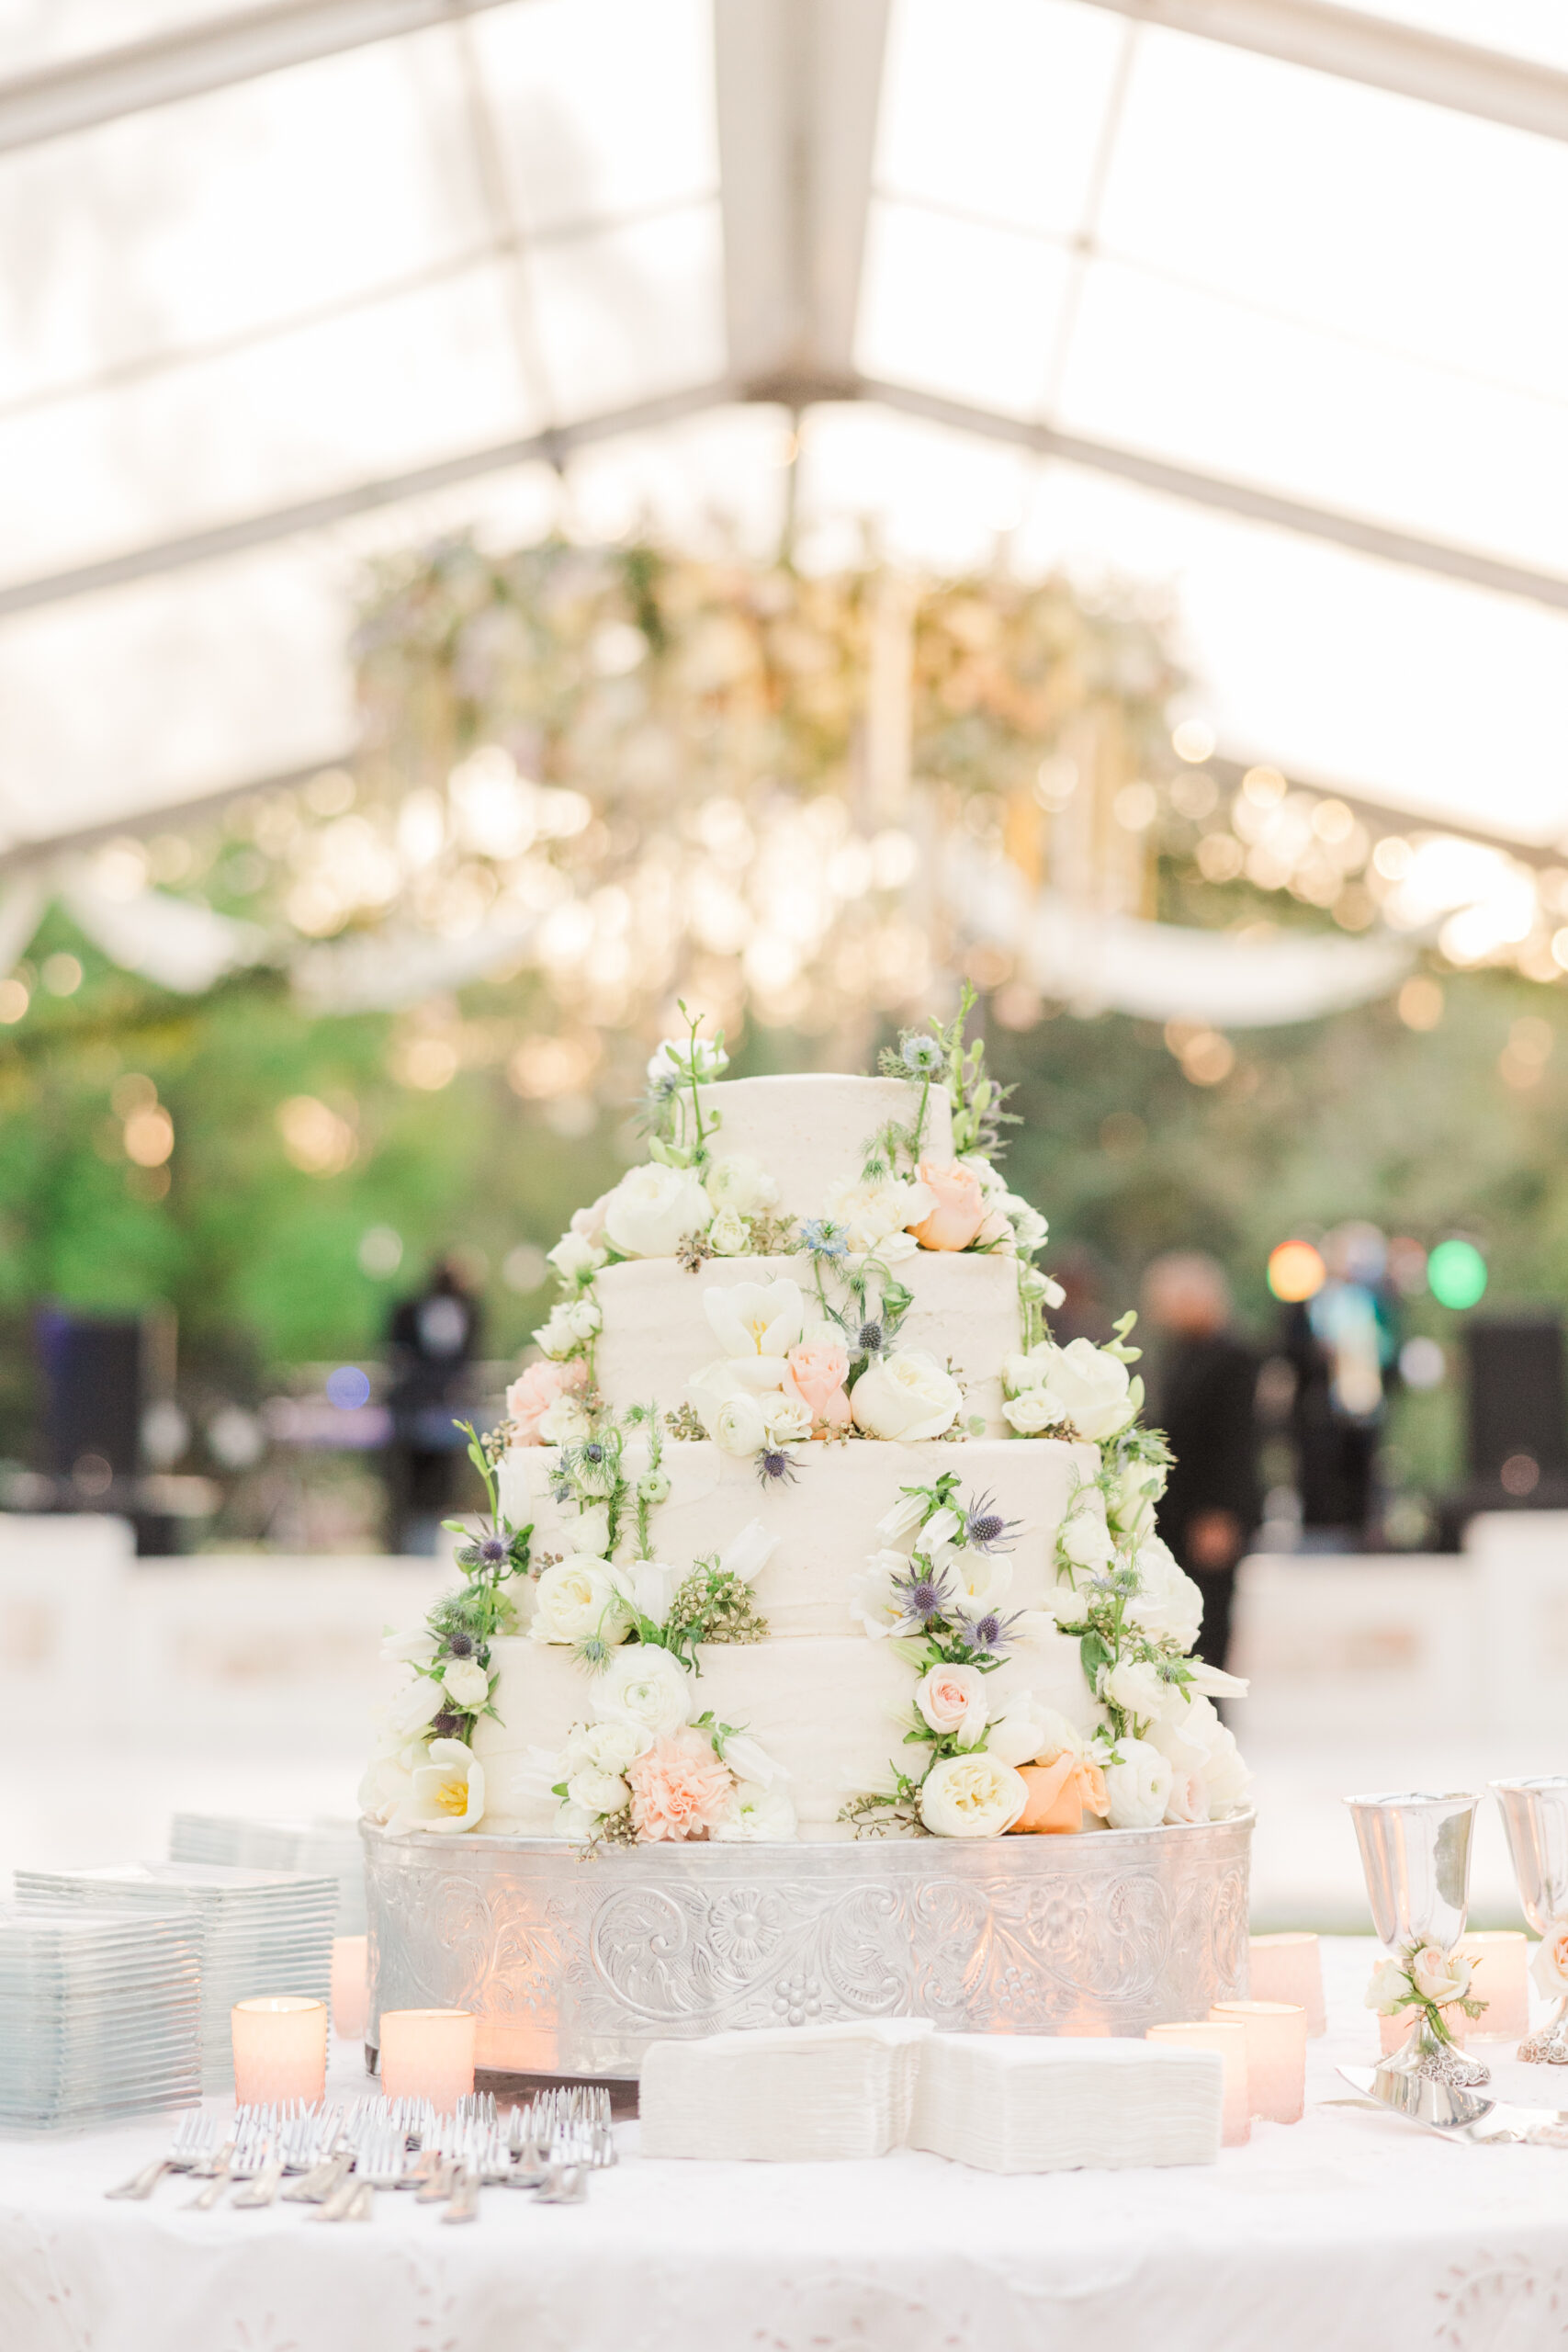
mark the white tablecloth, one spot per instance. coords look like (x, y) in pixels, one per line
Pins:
(1349, 2230)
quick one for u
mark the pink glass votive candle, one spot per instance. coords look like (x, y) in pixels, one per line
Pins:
(280, 2050)
(1500, 1957)
(1276, 2056)
(1289, 1968)
(351, 1987)
(428, 2053)
(1230, 2040)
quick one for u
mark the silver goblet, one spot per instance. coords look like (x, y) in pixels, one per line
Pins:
(1416, 1854)
(1535, 1814)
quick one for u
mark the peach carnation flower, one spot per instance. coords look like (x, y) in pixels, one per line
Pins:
(680, 1789)
(816, 1379)
(960, 1210)
(529, 1399)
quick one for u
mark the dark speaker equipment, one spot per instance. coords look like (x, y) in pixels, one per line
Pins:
(93, 1372)
(1519, 1404)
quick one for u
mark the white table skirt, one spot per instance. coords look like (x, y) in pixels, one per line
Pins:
(1346, 2231)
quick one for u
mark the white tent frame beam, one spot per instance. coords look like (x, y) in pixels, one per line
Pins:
(1405, 60)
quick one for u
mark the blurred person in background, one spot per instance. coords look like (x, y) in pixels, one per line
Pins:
(1343, 1346)
(432, 1340)
(1205, 1400)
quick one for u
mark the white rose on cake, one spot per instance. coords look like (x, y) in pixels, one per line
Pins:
(1130, 1504)
(555, 1336)
(647, 1689)
(1030, 1228)
(1196, 1741)
(597, 1790)
(577, 1600)
(607, 1747)
(1166, 1601)
(871, 1212)
(729, 1236)
(785, 1421)
(573, 1257)
(466, 1684)
(1138, 1688)
(1091, 1388)
(741, 1183)
(566, 1422)
(1084, 1540)
(756, 1324)
(1034, 1412)
(907, 1397)
(952, 1700)
(1030, 1730)
(652, 1209)
(972, 1796)
(1137, 1785)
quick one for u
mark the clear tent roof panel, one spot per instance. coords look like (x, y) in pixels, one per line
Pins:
(419, 252)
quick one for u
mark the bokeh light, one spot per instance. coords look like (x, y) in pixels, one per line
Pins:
(1296, 1272)
(1456, 1273)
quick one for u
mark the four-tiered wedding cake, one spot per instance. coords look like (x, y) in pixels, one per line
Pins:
(803, 1527)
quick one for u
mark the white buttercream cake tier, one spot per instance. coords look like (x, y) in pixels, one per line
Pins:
(811, 1129)
(831, 1713)
(656, 1331)
(825, 1519)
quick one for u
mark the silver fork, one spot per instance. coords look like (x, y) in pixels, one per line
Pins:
(196, 2136)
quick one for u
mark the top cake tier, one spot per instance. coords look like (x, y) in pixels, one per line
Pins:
(810, 1132)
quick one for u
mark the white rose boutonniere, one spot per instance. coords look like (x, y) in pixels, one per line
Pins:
(905, 1396)
(652, 1209)
(1440, 1976)
(974, 1795)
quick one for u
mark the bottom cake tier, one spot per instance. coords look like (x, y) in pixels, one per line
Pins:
(573, 1964)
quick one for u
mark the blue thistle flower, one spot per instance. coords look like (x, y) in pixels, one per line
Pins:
(922, 1596)
(775, 1467)
(870, 1338)
(986, 1636)
(985, 1529)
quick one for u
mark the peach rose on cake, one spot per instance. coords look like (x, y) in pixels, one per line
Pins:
(960, 1206)
(530, 1396)
(816, 1379)
(680, 1789)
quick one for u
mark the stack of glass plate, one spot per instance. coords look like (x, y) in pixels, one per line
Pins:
(258, 1932)
(100, 2014)
(320, 1845)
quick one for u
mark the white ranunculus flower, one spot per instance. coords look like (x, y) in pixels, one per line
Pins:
(1093, 1387)
(787, 1422)
(680, 1058)
(975, 1796)
(1440, 1976)
(1387, 1990)
(1166, 1601)
(738, 1427)
(649, 1585)
(1196, 1741)
(952, 1700)
(869, 1213)
(1085, 1539)
(907, 1397)
(1137, 1785)
(1031, 1731)
(566, 1422)
(645, 1687)
(1032, 1413)
(466, 1684)
(386, 1788)
(900, 1526)
(729, 1236)
(739, 1183)
(589, 1534)
(410, 1709)
(448, 1794)
(756, 1324)
(554, 1337)
(576, 1599)
(1138, 1688)
(597, 1790)
(653, 1208)
(415, 1646)
(573, 1257)
(757, 1816)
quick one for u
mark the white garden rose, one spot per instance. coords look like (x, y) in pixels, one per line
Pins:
(952, 1700)
(575, 1600)
(415, 1646)
(757, 1816)
(410, 1709)
(589, 1532)
(597, 1790)
(741, 1184)
(729, 1236)
(1092, 1386)
(756, 1324)
(566, 1422)
(1196, 1741)
(1166, 1601)
(976, 1795)
(646, 1688)
(1085, 1539)
(785, 1421)
(573, 1257)
(466, 1684)
(652, 1209)
(1440, 1976)
(1387, 1990)
(1138, 1688)
(738, 1427)
(1031, 1731)
(870, 1213)
(1137, 1785)
(907, 1397)
(1034, 1411)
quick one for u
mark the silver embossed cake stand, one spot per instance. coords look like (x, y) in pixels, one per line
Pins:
(572, 1965)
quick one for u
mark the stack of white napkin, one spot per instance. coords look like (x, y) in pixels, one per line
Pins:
(789, 2095)
(1002, 2102)
(1033, 2103)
